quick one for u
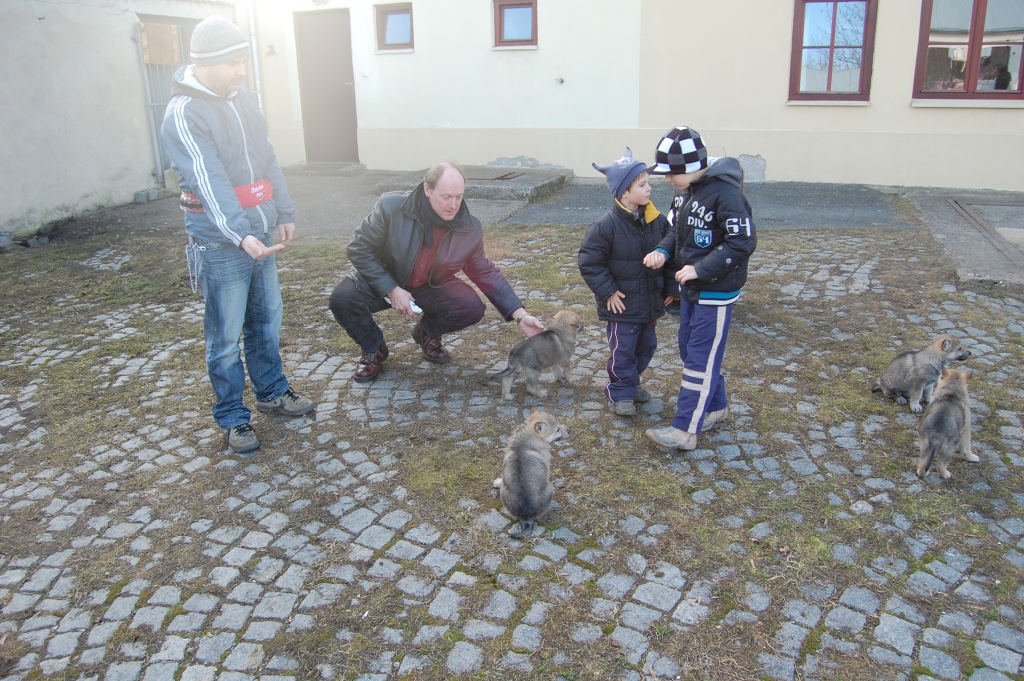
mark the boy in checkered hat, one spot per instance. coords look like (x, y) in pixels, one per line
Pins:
(630, 296)
(711, 240)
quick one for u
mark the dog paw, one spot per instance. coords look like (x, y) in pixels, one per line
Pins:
(946, 475)
(916, 408)
(522, 529)
(971, 456)
(497, 482)
(901, 400)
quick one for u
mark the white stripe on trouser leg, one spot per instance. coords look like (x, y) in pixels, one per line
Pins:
(705, 386)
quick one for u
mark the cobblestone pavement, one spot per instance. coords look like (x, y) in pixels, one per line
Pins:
(149, 552)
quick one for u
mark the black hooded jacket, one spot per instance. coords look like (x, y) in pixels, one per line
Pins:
(713, 230)
(611, 259)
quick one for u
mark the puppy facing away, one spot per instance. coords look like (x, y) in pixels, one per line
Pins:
(945, 428)
(552, 349)
(911, 375)
(525, 483)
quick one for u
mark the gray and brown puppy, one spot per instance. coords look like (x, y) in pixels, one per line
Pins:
(525, 483)
(911, 375)
(552, 349)
(945, 428)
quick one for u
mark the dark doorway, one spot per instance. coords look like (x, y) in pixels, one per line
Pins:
(163, 47)
(323, 46)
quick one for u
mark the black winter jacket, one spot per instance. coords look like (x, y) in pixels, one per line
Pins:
(611, 259)
(713, 230)
(385, 245)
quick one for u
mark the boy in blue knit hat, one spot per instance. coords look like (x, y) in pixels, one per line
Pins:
(630, 296)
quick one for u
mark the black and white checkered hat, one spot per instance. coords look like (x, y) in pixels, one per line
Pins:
(680, 151)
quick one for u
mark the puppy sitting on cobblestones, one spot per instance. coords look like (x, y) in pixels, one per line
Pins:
(550, 349)
(525, 483)
(911, 375)
(945, 428)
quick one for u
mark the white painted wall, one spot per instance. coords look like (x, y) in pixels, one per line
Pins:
(76, 134)
(632, 69)
(583, 77)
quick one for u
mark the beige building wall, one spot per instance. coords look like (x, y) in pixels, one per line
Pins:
(76, 133)
(612, 73)
(733, 87)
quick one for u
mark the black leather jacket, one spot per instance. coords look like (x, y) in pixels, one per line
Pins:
(384, 248)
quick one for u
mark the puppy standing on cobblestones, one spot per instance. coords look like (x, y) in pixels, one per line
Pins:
(550, 349)
(945, 428)
(911, 375)
(525, 483)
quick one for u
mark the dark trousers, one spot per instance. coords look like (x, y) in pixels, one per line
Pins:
(632, 347)
(446, 309)
(703, 332)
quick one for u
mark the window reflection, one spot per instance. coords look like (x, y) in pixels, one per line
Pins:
(959, 61)
(398, 29)
(517, 23)
(833, 46)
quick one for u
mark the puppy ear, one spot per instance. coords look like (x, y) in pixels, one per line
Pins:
(539, 426)
(945, 372)
(967, 375)
(947, 343)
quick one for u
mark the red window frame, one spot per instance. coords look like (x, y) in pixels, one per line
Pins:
(867, 54)
(499, 22)
(382, 13)
(972, 68)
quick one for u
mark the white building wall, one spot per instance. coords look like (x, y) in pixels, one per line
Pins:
(76, 133)
(456, 96)
(632, 69)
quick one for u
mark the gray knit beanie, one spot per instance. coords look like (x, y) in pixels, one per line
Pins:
(215, 40)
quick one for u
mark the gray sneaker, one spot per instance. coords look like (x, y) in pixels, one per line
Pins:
(670, 436)
(288, 404)
(624, 408)
(641, 396)
(242, 438)
(714, 419)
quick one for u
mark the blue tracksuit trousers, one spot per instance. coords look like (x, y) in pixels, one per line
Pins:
(703, 331)
(632, 347)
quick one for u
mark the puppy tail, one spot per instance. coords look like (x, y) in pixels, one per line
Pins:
(926, 462)
(504, 372)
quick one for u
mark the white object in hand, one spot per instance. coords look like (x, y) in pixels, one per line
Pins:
(412, 305)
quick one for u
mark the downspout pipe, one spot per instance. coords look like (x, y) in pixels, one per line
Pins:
(255, 50)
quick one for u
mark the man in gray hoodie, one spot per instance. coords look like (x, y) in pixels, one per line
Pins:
(235, 199)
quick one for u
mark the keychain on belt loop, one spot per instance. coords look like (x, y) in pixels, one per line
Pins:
(192, 262)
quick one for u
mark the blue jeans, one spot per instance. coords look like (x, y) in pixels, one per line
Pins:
(243, 297)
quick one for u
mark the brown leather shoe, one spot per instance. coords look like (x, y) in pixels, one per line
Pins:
(369, 364)
(433, 351)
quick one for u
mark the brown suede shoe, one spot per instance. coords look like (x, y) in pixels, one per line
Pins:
(369, 364)
(433, 351)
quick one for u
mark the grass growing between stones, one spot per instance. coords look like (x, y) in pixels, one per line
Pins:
(815, 327)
